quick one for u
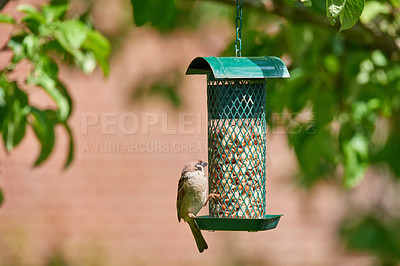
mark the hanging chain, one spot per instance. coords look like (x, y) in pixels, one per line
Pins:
(238, 41)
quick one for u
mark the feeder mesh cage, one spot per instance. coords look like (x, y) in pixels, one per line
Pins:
(237, 147)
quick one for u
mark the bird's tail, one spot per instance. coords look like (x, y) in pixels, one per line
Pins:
(200, 241)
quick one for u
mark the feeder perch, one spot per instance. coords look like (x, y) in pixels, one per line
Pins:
(236, 99)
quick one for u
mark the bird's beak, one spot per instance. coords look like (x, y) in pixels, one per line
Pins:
(204, 164)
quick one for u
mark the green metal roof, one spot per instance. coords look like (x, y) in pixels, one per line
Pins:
(239, 67)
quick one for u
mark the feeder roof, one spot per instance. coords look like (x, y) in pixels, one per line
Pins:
(239, 67)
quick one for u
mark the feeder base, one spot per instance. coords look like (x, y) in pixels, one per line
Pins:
(237, 224)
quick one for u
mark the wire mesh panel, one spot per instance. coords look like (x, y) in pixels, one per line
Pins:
(237, 147)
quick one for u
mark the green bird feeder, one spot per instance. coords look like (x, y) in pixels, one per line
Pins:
(237, 128)
(236, 99)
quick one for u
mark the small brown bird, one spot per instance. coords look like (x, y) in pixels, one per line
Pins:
(192, 196)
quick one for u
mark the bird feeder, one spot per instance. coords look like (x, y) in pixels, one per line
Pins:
(236, 99)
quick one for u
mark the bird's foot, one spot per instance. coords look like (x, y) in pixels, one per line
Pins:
(212, 196)
(191, 215)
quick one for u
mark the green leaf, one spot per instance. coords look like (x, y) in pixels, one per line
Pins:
(54, 46)
(307, 3)
(32, 14)
(15, 43)
(355, 160)
(372, 234)
(84, 44)
(389, 154)
(31, 24)
(3, 103)
(70, 156)
(70, 34)
(1, 197)
(32, 47)
(141, 11)
(87, 62)
(161, 18)
(164, 18)
(6, 19)
(372, 9)
(14, 115)
(45, 76)
(21, 110)
(333, 9)
(100, 47)
(28, 9)
(378, 58)
(332, 64)
(315, 150)
(59, 2)
(63, 90)
(43, 126)
(351, 13)
(54, 12)
(86, 17)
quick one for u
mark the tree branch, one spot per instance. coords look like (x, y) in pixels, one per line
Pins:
(361, 35)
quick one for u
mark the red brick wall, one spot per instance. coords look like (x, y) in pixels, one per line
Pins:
(117, 207)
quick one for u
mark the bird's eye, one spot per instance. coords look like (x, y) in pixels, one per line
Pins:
(199, 167)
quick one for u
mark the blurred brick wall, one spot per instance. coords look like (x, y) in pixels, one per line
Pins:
(116, 205)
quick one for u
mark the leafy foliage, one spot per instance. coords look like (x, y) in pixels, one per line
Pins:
(346, 80)
(165, 18)
(348, 75)
(6, 19)
(347, 87)
(375, 235)
(347, 11)
(41, 35)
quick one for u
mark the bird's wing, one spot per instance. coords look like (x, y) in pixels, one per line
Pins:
(181, 193)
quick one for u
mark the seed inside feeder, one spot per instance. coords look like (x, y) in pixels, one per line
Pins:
(241, 164)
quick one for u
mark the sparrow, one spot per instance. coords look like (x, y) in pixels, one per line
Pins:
(192, 196)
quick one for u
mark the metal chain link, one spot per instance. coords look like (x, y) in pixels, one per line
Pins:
(238, 41)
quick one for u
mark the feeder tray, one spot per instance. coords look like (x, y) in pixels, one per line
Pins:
(236, 99)
(237, 224)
